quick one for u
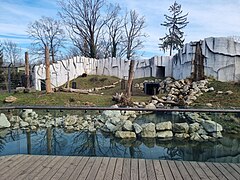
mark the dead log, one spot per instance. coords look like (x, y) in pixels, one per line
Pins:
(81, 91)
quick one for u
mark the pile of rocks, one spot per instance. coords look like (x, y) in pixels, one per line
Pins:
(179, 92)
(198, 127)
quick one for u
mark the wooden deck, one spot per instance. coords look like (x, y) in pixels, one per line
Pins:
(64, 167)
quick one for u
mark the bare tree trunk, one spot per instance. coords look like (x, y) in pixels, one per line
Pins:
(47, 64)
(130, 79)
(27, 70)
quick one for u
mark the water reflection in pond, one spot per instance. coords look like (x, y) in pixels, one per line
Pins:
(57, 142)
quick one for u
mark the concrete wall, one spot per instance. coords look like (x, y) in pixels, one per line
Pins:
(221, 59)
(72, 68)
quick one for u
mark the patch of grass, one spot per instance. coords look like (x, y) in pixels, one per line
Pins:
(92, 81)
(221, 100)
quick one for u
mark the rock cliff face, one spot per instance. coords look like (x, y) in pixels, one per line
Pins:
(221, 59)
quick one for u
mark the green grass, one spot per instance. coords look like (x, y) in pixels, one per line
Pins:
(221, 100)
(100, 98)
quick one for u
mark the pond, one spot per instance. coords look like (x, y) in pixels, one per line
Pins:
(55, 141)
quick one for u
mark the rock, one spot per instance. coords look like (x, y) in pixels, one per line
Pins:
(110, 126)
(164, 126)
(201, 131)
(180, 127)
(70, 120)
(111, 113)
(19, 89)
(4, 123)
(85, 124)
(128, 125)
(182, 135)
(24, 124)
(219, 92)
(137, 128)
(150, 106)
(164, 134)
(33, 127)
(211, 126)
(91, 129)
(211, 89)
(154, 102)
(204, 137)
(114, 120)
(209, 105)
(217, 134)
(195, 137)
(148, 130)
(15, 119)
(25, 113)
(10, 99)
(125, 134)
(69, 128)
(194, 127)
(229, 92)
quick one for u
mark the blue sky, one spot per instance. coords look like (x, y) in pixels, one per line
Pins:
(206, 18)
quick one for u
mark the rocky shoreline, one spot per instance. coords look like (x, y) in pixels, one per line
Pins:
(122, 124)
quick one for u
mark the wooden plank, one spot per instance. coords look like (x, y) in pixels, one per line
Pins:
(36, 171)
(158, 170)
(110, 169)
(93, 172)
(11, 168)
(207, 171)
(87, 168)
(102, 169)
(117, 175)
(235, 167)
(215, 171)
(225, 172)
(23, 167)
(175, 172)
(190, 170)
(63, 168)
(10, 163)
(142, 169)
(150, 170)
(166, 170)
(23, 175)
(126, 174)
(48, 167)
(232, 171)
(54, 169)
(134, 169)
(4, 159)
(79, 168)
(199, 170)
(72, 167)
(183, 171)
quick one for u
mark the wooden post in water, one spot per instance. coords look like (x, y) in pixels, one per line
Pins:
(27, 70)
(47, 64)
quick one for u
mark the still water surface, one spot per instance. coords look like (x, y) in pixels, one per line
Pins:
(57, 142)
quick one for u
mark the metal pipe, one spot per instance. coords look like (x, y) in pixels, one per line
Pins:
(120, 108)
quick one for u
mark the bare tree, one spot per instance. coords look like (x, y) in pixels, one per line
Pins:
(134, 24)
(47, 32)
(116, 33)
(12, 53)
(85, 20)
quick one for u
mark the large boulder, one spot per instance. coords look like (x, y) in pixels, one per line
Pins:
(182, 135)
(125, 134)
(109, 113)
(211, 126)
(4, 123)
(164, 126)
(137, 128)
(164, 134)
(180, 127)
(149, 130)
(128, 125)
(194, 127)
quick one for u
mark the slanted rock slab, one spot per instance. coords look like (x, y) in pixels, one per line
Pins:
(125, 134)
(4, 123)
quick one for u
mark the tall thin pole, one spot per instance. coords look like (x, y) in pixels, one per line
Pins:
(47, 64)
(27, 70)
